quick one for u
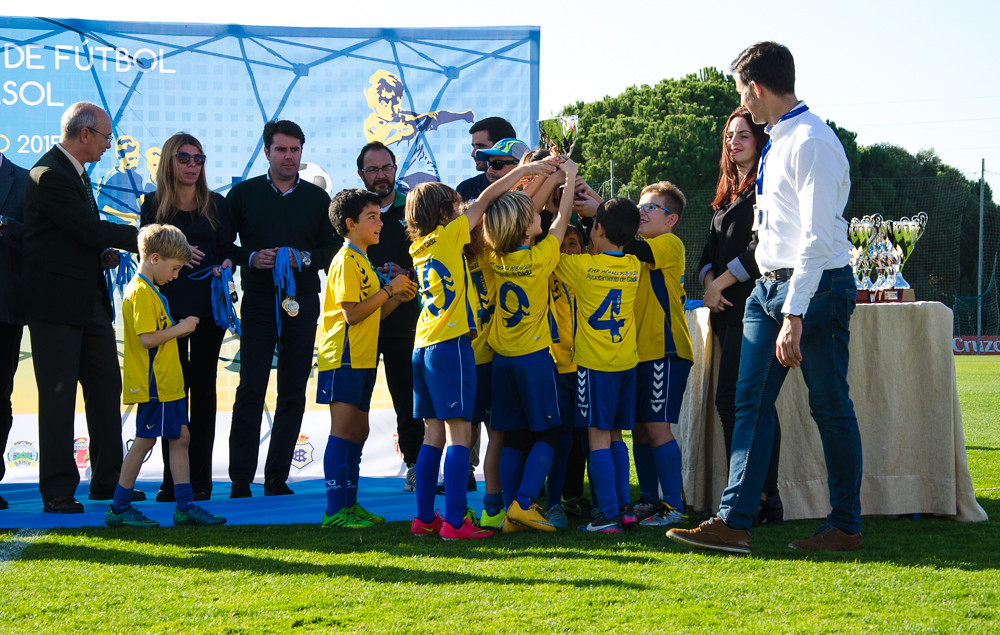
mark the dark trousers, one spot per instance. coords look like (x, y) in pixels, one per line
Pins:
(397, 355)
(199, 354)
(731, 341)
(64, 355)
(258, 342)
(10, 353)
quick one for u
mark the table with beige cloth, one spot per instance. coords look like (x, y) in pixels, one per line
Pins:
(902, 379)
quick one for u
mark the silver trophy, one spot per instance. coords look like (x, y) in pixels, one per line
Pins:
(906, 232)
(558, 134)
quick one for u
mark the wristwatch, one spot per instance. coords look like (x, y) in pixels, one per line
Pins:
(306, 258)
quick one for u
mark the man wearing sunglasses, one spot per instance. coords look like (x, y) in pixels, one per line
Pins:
(502, 157)
(69, 311)
(485, 133)
(391, 255)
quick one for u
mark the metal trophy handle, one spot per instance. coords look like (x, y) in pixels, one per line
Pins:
(558, 134)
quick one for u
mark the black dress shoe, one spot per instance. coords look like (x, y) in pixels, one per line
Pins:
(3, 503)
(165, 496)
(202, 495)
(63, 505)
(278, 489)
(240, 489)
(137, 495)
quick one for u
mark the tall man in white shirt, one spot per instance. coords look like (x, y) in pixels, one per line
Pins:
(799, 313)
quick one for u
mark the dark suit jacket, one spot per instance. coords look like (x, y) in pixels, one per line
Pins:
(13, 179)
(63, 241)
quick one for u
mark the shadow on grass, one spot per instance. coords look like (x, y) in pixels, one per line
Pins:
(941, 543)
(981, 448)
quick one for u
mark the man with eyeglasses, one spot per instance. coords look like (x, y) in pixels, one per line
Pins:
(485, 133)
(70, 313)
(391, 256)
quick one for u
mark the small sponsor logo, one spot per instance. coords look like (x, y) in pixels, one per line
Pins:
(303, 453)
(81, 450)
(22, 454)
(972, 345)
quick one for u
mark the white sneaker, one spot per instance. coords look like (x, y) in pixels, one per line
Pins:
(411, 479)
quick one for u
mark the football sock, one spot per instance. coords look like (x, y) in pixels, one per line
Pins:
(428, 464)
(536, 468)
(602, 473)
(645, 470)
(335, 473)
(557, 474)
(511, 470)
(353, 473)
(668, 467)
(619, 456)
(493, 503)
(456, 473)
(122, 499)
(184, 495)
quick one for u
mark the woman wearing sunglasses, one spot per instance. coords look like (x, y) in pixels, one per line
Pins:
(728, 270)
(182, 199)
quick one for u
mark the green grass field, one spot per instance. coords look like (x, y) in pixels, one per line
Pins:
(927, 576)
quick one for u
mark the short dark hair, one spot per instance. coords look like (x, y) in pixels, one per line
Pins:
(496, 127)
(620, 219)
(769, 64)
(349, 204)
(285, 127)
(374, 145)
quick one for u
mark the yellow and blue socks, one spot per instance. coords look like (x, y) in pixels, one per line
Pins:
(428, 464)
(668, 467)
(456, 473)
(619, 456)
(335, 471)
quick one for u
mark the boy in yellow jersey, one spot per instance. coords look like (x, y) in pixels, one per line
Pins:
(153, 379)
(665, 357)
(605, 354)
(526, 396)
(354, 302)
(444, 379)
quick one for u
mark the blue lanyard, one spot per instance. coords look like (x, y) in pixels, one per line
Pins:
(223, 310)
(383, 278)
(795, 112)
(166, 305)
(284, 279)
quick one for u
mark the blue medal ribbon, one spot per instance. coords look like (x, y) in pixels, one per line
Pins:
(383, 278)
(284, 278)
(223, 307)
(166, 305)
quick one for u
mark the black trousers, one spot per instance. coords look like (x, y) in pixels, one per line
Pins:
(397, 355)
(10, 353)
(258, 343)
(64, 355)
(199, 354)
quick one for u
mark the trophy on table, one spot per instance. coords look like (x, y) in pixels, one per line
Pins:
(905, 233)
(558, 134)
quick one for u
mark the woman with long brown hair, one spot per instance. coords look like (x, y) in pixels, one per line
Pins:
(728, 270)
(182, 199)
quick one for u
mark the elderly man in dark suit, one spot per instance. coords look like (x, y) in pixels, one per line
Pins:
(69, 310)
(12, 181)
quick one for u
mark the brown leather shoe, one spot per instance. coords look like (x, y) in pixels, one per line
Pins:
(829, 538)
(713, 534)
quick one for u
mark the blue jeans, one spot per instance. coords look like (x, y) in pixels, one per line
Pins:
(824, 347)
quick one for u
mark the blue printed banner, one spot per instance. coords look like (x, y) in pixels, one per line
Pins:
(416, 90)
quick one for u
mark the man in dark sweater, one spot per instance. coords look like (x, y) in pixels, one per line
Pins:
(485, 133)
(377, 169)
(282, 223)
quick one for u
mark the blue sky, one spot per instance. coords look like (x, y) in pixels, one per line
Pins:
(917, 74)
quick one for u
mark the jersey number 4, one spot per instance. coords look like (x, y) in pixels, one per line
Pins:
(610, 307)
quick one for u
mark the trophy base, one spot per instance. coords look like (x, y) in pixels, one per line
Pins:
(885, 296)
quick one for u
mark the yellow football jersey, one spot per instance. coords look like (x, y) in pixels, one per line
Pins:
(441, 276)
(341, 345)
(562, 306)
(605, 286)
(482, 283)
(521, 324)
(148, 374)
(662, 327)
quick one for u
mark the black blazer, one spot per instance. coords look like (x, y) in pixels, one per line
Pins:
(63, 241)
(13, 179)
(730, 237)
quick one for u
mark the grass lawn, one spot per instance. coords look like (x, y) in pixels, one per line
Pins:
(928, 575)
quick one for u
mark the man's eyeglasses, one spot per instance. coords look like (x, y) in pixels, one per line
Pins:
(184, 158)
(649, 208)
(107, 137)
(498, 164)
(384, 169)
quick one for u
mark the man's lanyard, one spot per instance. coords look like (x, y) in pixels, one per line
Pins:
(795, 112)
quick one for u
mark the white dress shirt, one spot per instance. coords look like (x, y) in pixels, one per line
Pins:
(801, 205)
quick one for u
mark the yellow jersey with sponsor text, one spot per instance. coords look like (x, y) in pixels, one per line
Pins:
(521, 318)
(441, 276)
(343, 345)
